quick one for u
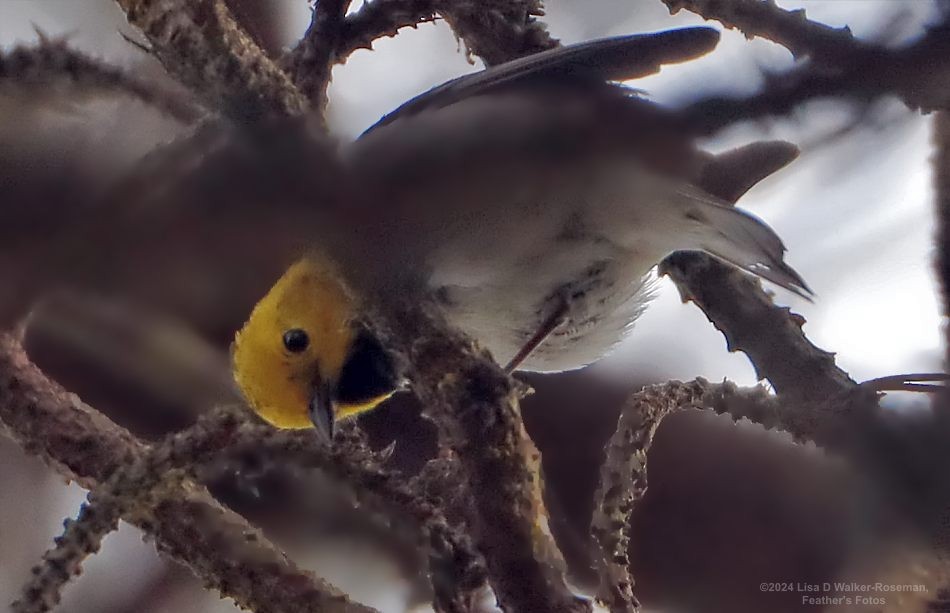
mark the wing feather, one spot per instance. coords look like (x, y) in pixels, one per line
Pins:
(609, 59)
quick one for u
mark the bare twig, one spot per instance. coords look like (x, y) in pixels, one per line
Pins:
(771, 336)
(382, 18)
(200, 44)
(128, 490)
(919, 73)
(263, 22)
(220, 547)
(81, 538)
(498, 31)
(455, 568)
(52, 64)
(623, 475)
(495, 31)
(457, 572)
(623, 482)
(755, 404)
(442, 479)
(791, 29)
(312, 61)
(475, 406)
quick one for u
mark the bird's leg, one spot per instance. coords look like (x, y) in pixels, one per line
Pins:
(549, 325)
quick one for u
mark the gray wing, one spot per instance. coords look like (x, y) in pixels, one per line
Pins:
(609, 59)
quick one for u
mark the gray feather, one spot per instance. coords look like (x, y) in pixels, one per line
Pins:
(609, 59)
(743, 240)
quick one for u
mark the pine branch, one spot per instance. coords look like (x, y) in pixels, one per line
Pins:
(200, 44)
(457, 573)
(311, 63)
(219, 546)
(475, 406)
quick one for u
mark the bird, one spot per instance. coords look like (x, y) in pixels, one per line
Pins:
(531, 201)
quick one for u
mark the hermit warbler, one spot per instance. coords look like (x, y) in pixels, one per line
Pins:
(531, 200)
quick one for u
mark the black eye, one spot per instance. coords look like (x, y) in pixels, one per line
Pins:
(296, 340)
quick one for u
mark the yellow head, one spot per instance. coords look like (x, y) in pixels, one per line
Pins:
(303, 358)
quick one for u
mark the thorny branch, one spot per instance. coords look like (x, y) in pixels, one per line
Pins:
(381, 18)
(623, 474)
(456, 568)
(475, 406)
(739, 307)
(201, 45)
(188, 525)
(144, 482)
(918, 73)
(124, 494)
(771, 336)
(310, 63)
(790, 29)
(81, 538)
(493, 30)
(623, 482)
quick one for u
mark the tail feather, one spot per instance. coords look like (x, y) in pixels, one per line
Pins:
(743, 240)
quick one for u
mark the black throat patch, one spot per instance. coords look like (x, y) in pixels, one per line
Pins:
(369, 371)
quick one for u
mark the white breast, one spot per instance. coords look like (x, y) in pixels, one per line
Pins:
(505, 274)
(504, 317)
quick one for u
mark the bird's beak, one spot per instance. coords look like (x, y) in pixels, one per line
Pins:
(321, 409)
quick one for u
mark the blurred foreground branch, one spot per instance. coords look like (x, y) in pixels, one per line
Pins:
(791, 29)
(53, 66)
(918, 73)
